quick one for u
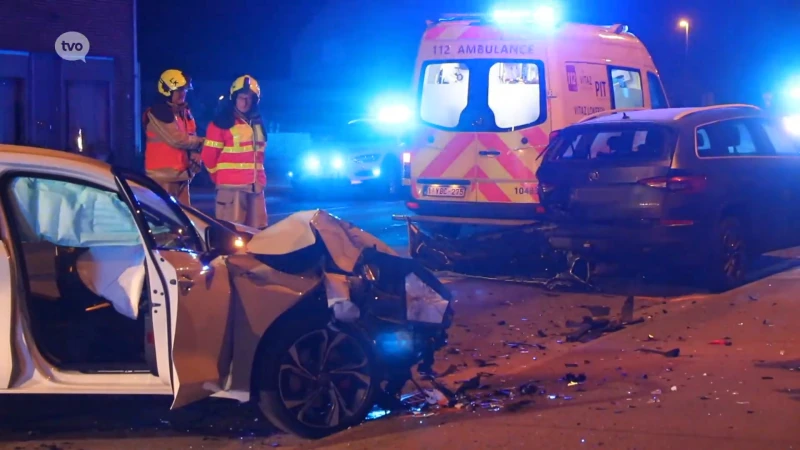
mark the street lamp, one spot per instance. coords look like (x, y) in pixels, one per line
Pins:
(685, 25)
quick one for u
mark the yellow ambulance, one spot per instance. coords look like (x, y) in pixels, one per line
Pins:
(491, 90)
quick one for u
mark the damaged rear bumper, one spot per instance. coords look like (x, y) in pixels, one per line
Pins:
(682, 244)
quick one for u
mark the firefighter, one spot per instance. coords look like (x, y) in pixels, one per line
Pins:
(172, 154)
(234, 156)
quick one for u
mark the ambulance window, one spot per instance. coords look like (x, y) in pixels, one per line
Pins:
(627, 88)
(657, 97)
(515, 94)
(445, 92)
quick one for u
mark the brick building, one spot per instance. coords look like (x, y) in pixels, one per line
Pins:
(46, 101)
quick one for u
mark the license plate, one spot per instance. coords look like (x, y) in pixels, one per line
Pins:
(445, 191)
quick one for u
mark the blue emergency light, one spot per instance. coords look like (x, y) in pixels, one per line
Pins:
(543, 15)
(394, 114)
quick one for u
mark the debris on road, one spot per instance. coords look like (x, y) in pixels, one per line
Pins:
(591, 328)
(674, 353)
(725, 341)
(573, 379)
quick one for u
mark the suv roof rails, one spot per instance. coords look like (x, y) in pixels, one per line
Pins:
(608, 113)
(713, 107)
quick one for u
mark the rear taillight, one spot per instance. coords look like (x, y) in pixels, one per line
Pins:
(406, 164)
(678, 183)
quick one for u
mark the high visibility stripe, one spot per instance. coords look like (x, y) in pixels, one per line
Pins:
(507, 158)
(213, 144)
(240, 149)
(491, 191)
(238, 166)
(481, 32)
(434, 33)
(452, 32)
(458, 144)
(536, 137)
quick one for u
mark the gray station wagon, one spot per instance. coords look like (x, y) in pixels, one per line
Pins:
(705, 188)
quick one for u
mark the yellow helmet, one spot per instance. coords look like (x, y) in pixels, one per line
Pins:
(246, 82)
(172, 80)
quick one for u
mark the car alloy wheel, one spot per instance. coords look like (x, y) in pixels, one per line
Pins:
(319, 380)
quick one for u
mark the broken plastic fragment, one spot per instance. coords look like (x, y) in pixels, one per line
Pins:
(423, 303)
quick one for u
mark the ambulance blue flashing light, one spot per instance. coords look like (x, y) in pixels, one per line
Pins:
(543, 15)
(394, 114)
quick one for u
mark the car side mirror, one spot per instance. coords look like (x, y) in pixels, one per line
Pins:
(223, 240)
(209, 256)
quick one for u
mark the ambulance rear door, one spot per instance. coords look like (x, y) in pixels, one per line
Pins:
(443, 162)
(515, 125)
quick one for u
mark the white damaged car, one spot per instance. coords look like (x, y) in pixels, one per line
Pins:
(108, 286)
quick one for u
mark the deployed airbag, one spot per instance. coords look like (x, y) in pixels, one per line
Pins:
(74, 215)
(343, 240)
(115, 274)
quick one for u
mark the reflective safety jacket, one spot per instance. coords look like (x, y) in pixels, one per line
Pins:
(234, 156)
(170, 139)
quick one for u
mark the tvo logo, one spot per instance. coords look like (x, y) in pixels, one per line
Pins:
(72, 46)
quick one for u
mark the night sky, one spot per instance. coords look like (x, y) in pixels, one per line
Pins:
(738, 49)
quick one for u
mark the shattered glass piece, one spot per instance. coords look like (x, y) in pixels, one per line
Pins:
(422, 302)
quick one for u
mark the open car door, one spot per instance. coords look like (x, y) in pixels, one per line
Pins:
(190, 308)
(7, 317)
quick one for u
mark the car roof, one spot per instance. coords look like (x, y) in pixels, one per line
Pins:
(55, 162)
(11, 154)
(692, 116)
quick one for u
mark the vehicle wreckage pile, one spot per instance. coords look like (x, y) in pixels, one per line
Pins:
(398, 307)
(508, 253)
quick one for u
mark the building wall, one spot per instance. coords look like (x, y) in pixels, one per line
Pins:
(59, 95)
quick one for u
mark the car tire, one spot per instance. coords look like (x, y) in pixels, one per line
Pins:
(729, 257)
(295, 389)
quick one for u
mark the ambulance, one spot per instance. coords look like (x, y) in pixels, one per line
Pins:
(491, 92)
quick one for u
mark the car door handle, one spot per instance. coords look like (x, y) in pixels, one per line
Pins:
(489, 152)
(185, 284)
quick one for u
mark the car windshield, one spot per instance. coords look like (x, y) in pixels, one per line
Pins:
(612, 142)
(482, 95)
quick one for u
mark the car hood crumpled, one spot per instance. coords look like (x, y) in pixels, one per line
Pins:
(362, 273)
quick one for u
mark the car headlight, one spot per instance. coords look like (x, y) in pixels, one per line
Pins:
(312, 163)
(337, 162)
(367, 158)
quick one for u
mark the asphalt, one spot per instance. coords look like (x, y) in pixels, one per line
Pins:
(373, 216)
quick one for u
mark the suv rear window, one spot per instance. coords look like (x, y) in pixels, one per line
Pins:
(631, 142)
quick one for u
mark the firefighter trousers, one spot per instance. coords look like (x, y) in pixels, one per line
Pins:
(176, 188)
(239, 206)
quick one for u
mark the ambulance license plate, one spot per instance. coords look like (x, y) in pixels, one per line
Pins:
(445, 191)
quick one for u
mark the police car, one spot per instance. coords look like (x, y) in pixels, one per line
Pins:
(365, 154)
